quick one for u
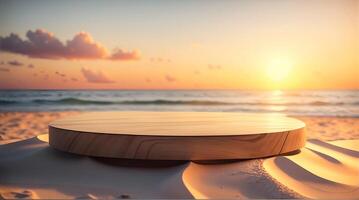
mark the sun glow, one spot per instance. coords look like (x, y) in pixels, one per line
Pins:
(278, 70)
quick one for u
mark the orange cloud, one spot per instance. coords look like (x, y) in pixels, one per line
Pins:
(120, 54)
(82, 46)
(43, 44)
(95, 77)
(15, 63)
(60, 74)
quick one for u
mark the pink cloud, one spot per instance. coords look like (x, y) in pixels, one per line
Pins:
(44, 44)
(95, 77)
(40, 44)
(60, 74)
(15, 63)
(120, 54)
(82, 46)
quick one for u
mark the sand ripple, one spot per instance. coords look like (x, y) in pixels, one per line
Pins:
(321, 170)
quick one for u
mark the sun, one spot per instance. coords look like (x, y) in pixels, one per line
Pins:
(278, 70)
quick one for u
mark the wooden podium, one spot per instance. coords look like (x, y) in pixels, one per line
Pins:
(177, 135)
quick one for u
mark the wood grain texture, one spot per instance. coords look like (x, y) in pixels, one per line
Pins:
(177, 135)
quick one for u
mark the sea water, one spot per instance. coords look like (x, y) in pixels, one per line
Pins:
(308, 103)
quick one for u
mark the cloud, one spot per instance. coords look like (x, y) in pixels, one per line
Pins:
(30, 66)
(40, 44)
(60, 74)
(4, 70)
(82, 46)
(15, 63)
(210, 66)
(74, 79)
(95, 77)
(43, 44)
(120, 54)
(170, 78)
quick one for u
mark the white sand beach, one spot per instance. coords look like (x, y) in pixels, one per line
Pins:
(326, 168)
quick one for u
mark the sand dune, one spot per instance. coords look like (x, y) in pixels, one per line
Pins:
(347, 144)
(31, 165)
(241, 179)
(321, 170)
(31, 169)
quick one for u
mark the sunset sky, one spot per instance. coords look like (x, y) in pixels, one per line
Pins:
(179, 44)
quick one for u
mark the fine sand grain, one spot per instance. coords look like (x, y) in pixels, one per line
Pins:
(21, 125)
(323, 169)
(31, 169)
(331, 128)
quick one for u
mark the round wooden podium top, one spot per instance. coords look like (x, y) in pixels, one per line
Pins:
(177, 135)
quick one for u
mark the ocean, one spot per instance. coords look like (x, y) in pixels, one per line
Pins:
(305, 103)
